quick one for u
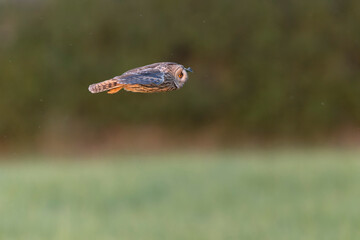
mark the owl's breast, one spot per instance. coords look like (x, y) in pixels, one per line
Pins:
(153, 88)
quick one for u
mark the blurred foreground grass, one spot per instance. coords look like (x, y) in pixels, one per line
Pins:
(269, 195)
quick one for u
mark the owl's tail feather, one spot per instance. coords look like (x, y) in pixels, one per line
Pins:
(109, 85)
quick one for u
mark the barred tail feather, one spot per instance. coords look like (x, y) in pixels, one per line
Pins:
(103, 86)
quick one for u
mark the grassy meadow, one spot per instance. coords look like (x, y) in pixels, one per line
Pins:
(245, 195)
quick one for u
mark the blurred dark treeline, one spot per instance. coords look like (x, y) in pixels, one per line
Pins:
(282, 67)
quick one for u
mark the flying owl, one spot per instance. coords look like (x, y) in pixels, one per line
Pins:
(156, 77)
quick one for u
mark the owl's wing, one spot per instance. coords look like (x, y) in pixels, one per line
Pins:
(146, 76)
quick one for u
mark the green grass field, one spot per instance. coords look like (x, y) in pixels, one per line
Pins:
(268, 195)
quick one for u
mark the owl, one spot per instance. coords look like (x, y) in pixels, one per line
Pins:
(156, 77)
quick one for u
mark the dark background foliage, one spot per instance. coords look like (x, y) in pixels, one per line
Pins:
(266, 68)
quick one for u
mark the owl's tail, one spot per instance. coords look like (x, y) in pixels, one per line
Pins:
(112, 86)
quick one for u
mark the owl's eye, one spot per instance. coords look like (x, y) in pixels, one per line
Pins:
(181, 75)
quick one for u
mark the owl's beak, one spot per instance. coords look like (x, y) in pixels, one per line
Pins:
(189, 69)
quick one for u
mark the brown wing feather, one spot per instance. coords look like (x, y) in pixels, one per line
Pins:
(114, 90)
(103, 86)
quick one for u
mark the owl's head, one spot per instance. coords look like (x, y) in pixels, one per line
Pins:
(181, 74)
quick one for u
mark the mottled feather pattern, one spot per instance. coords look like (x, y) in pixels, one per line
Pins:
(147, 76)
(103, 86)
(157, 77)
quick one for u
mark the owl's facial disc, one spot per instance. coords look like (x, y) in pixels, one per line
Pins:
(181, 76)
